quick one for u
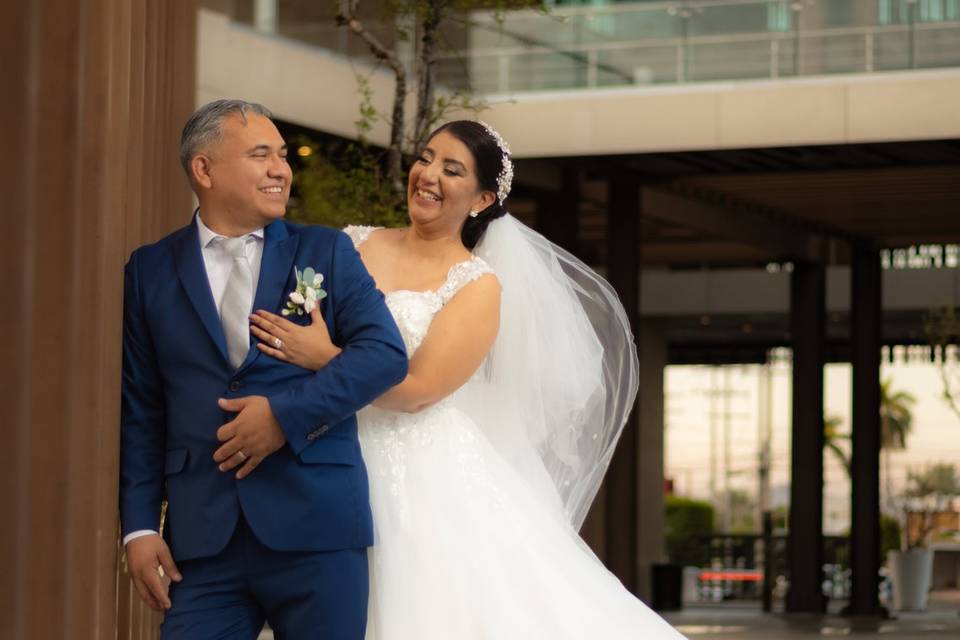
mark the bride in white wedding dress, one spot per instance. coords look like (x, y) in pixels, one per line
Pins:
(483, 462)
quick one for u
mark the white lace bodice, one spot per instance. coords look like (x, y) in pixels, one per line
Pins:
(388, 438)
(414, 311)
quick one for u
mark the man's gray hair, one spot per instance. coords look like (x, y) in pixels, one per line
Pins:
(205, 126)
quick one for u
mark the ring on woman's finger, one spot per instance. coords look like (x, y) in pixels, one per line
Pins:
(277, 343)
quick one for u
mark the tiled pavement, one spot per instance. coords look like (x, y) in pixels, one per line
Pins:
(733, 622)
(941, 620)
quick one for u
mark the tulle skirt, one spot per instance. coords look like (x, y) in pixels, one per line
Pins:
(465, 549)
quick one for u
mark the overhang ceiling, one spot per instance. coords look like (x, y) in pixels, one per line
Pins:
(747, 207)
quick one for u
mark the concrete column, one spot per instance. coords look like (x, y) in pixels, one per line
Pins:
(805, 545)
(866, 305)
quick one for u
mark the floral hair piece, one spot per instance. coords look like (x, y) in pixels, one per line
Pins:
(505, 177)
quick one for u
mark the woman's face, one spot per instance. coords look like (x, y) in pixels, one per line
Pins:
(443, 185)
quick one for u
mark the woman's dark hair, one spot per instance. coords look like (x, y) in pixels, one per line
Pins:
(488, 157)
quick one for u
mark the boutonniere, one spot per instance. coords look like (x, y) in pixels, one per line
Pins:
(308, 293)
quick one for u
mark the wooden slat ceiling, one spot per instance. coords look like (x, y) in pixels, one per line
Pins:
(894, 206)
(897, 194)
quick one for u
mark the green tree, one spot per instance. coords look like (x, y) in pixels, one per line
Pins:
(421, 21)
(832, 437)
(686, 521)
(342, 183)
(889, 535)
(943, 331)
(928, 493)
(781, 518)
(742, 509)
(896, 422)
(896, 416)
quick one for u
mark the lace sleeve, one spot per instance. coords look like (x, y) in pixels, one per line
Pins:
(462, 274)
(359, 233)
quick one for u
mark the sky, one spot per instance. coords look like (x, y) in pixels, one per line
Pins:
(689, 404)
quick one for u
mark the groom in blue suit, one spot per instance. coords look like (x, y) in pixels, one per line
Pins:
(268, 515)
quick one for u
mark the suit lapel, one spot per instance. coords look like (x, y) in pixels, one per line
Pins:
(276, 270)
(193, 276)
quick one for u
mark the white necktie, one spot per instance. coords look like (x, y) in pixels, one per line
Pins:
(237, 301)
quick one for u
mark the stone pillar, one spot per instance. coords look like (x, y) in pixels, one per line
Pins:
(805, 545)
(96, 92)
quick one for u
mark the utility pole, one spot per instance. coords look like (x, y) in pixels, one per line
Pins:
(764, 437)
(713, 436)
(721, 415)
(727, 499)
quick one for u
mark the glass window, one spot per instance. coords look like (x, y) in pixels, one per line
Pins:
(898, 11)
(778, 16)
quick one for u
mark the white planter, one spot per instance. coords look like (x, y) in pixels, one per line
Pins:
(911, 572)
(691, 584)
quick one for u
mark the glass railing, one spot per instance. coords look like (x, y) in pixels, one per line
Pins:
(620, 44)
(307, 21)
(626, 44)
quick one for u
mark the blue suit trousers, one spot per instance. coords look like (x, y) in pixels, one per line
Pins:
(302, 594)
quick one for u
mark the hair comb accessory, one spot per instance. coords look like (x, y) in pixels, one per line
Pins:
(505, 178)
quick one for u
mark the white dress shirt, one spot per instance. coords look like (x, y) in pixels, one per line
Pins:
(218, 264)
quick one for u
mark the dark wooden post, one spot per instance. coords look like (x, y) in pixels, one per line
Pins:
(768, 573)
(807, 328)
(866, 305)
(558, 212)
(623, 272)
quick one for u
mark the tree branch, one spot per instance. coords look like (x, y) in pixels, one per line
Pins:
(347, 18)
(426, 56)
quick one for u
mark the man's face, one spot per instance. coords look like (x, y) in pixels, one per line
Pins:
(248, 171)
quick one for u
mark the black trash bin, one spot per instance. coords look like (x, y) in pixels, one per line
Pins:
(667, 587)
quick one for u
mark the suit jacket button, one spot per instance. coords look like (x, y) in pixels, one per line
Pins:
(311, 436)
(323, 429)
(235, 385)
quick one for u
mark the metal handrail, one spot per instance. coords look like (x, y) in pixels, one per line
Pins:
(587, 55)
(790, 51)
(646, 7)
(642, 43)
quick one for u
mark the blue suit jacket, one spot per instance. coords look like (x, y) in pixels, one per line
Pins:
(312, 494)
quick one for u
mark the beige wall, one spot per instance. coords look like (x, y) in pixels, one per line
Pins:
(300, 84)
(317, 89)
(819, 110)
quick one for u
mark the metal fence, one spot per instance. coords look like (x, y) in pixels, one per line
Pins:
(740, 567)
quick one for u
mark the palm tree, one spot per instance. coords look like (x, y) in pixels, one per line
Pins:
(896, 422)
(943, 329)
(831, 440)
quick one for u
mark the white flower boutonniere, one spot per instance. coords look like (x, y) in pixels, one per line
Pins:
(307, 295)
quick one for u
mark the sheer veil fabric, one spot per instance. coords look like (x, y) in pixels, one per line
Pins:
(561, 379)
(477, 498)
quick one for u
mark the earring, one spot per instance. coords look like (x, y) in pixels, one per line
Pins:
(473, 214)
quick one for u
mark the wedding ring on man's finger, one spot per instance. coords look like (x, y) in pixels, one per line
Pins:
(277, 343)
(242, 455)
